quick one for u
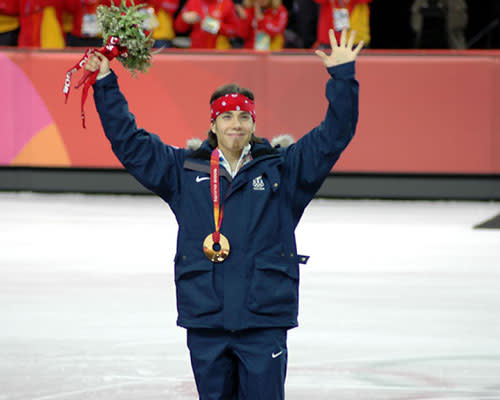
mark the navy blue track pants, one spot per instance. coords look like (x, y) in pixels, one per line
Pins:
(241, 365)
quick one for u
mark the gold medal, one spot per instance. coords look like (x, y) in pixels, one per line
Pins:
(216, 245)
(216, 252)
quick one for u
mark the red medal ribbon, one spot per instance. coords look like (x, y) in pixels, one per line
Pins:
(215, 191)
(110, 51)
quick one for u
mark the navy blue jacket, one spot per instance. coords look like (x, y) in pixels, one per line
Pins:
(257, 285)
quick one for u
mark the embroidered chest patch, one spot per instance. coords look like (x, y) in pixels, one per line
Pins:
(258, 183)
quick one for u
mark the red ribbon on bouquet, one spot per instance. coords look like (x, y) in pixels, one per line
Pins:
(110, 51)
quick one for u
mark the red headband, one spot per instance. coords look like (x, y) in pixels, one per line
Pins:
(231, 102)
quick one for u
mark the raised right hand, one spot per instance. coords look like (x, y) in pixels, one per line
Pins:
(98, 62)
(342, 53)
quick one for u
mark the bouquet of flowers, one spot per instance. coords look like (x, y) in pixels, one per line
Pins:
(123, 38)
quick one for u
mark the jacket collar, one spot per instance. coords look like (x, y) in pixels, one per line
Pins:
(258, 150)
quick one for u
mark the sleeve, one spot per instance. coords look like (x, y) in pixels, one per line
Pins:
(179, 25)
(153, 163)
(170, 6)
(274, 23)
(360, 22)
(230, 23)
(310, 160)
(10, 7)
(245, 25)
(70, 6)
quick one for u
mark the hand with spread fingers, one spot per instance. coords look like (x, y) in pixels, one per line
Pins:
(342, 53)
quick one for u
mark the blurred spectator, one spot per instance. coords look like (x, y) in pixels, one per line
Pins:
(80, 21)
(212, 23)
(41, 24)
(9, 22)
(67, 20)
(340, 14)
(263, 24)
(306, 21)
(164, 33)
(439, 23)
(85, 29)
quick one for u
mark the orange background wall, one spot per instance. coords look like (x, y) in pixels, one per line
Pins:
(438, 113)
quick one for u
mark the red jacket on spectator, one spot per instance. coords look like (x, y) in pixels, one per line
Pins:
(9, 7)
(273, 23)
(222, 10)
(169, 6)
(117, 3)
(325, 21)
(78, 9)
(164, 10)
(41, 23)
(9, 11)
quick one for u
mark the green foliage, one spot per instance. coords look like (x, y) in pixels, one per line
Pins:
(125, 22)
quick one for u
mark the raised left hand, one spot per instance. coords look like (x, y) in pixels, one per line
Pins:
(342, 53)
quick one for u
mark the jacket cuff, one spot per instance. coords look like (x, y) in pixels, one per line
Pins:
(343, 71)
(107, 81)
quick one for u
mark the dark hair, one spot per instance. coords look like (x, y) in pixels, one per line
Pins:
(222, 91)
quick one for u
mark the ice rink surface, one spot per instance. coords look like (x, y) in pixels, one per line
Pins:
(400, 300)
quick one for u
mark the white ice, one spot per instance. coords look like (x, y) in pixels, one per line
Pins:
(400, 300)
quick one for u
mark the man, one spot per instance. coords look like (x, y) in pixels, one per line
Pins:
(439, 23)
(343, 14)
(41, 24)
(237, 201)
(211, 23)
(262, 24)
(9, 22)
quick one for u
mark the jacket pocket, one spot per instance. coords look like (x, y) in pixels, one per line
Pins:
(194, 283)
(274, 286)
